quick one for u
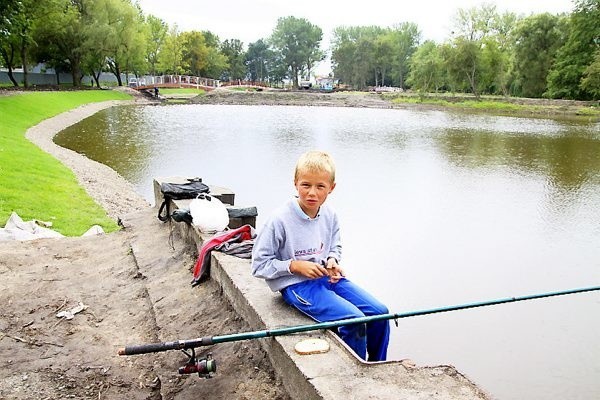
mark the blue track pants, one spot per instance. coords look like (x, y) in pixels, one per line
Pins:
(324, 301)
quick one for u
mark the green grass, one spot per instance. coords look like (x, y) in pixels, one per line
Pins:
(498, 105)
(464, 102)
(420, 100)
(489, 105)
(242, 89)
(589, 111)
(168, 91)
(34, 184)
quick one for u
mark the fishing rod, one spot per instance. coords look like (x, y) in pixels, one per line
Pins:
(206, 366)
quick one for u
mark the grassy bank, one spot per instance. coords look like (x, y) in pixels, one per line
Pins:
(33, 183)
(502, 105)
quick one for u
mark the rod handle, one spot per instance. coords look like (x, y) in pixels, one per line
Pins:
(149, 348)
(164, 346)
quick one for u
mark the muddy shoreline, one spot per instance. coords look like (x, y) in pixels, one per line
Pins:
(543, 108)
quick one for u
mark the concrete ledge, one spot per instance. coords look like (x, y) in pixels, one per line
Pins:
(337, 374)
(311, 377)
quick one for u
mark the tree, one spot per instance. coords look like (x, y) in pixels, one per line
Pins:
(574, 57)
(211, 39)
(405, 38)
(10, 9)
(216, 61)
(258, 58)
(136, 47)
(498, 53)
(233, 49)
(298, 42)
(157, 29)
(364, 64)
(463, 62)
(278, 70)
(18, 25)
(356, 57)
(473, 24)
(61, 38)
(216, 64)
(384, 57)
(591, 77)
(194, 54)
(342, 53)
(23, 24)
(127, 38)
(537, 39)
(314, 55)
(494, 67)
(9, 43)
(478, 57)
(170, 56)
(99, 20)
(426, 68)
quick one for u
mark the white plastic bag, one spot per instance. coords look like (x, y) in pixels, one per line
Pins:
(208, 213)
(17, 229)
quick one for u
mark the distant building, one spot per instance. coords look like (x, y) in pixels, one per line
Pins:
(325, 82)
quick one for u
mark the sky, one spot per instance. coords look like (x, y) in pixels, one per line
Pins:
(249, 21)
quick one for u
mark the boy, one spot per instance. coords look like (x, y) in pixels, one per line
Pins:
(298, 251)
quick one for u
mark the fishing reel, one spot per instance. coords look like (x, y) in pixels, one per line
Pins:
(204, 366)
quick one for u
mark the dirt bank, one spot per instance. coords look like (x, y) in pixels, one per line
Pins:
(295, 98)
(136, 289)
(528, 107)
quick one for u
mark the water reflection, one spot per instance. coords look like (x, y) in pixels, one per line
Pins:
(568, 161)
(436, 209)
(104, 139)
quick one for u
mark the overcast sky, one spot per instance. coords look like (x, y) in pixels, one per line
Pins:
(253, 20)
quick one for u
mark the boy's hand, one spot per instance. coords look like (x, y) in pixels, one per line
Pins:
(308, 269)
(334, 271)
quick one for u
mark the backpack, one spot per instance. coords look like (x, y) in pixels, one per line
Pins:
(179, 191)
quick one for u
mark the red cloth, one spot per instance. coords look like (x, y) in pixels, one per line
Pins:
(203, 262)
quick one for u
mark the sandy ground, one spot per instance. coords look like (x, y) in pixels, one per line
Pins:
(135, 288)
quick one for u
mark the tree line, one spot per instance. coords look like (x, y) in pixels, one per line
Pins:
(488, 52)
(541, 55)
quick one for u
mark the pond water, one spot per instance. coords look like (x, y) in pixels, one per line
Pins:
(436, 209)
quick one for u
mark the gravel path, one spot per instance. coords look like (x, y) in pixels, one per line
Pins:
(104, 185)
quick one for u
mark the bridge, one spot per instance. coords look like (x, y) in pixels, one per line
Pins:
(174, 81)
(144, 83)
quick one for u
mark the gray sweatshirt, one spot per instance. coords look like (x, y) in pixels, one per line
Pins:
(289, 234)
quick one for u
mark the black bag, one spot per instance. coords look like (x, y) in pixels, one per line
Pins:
(178, 191)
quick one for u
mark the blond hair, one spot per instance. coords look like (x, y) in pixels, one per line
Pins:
(315, 161)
